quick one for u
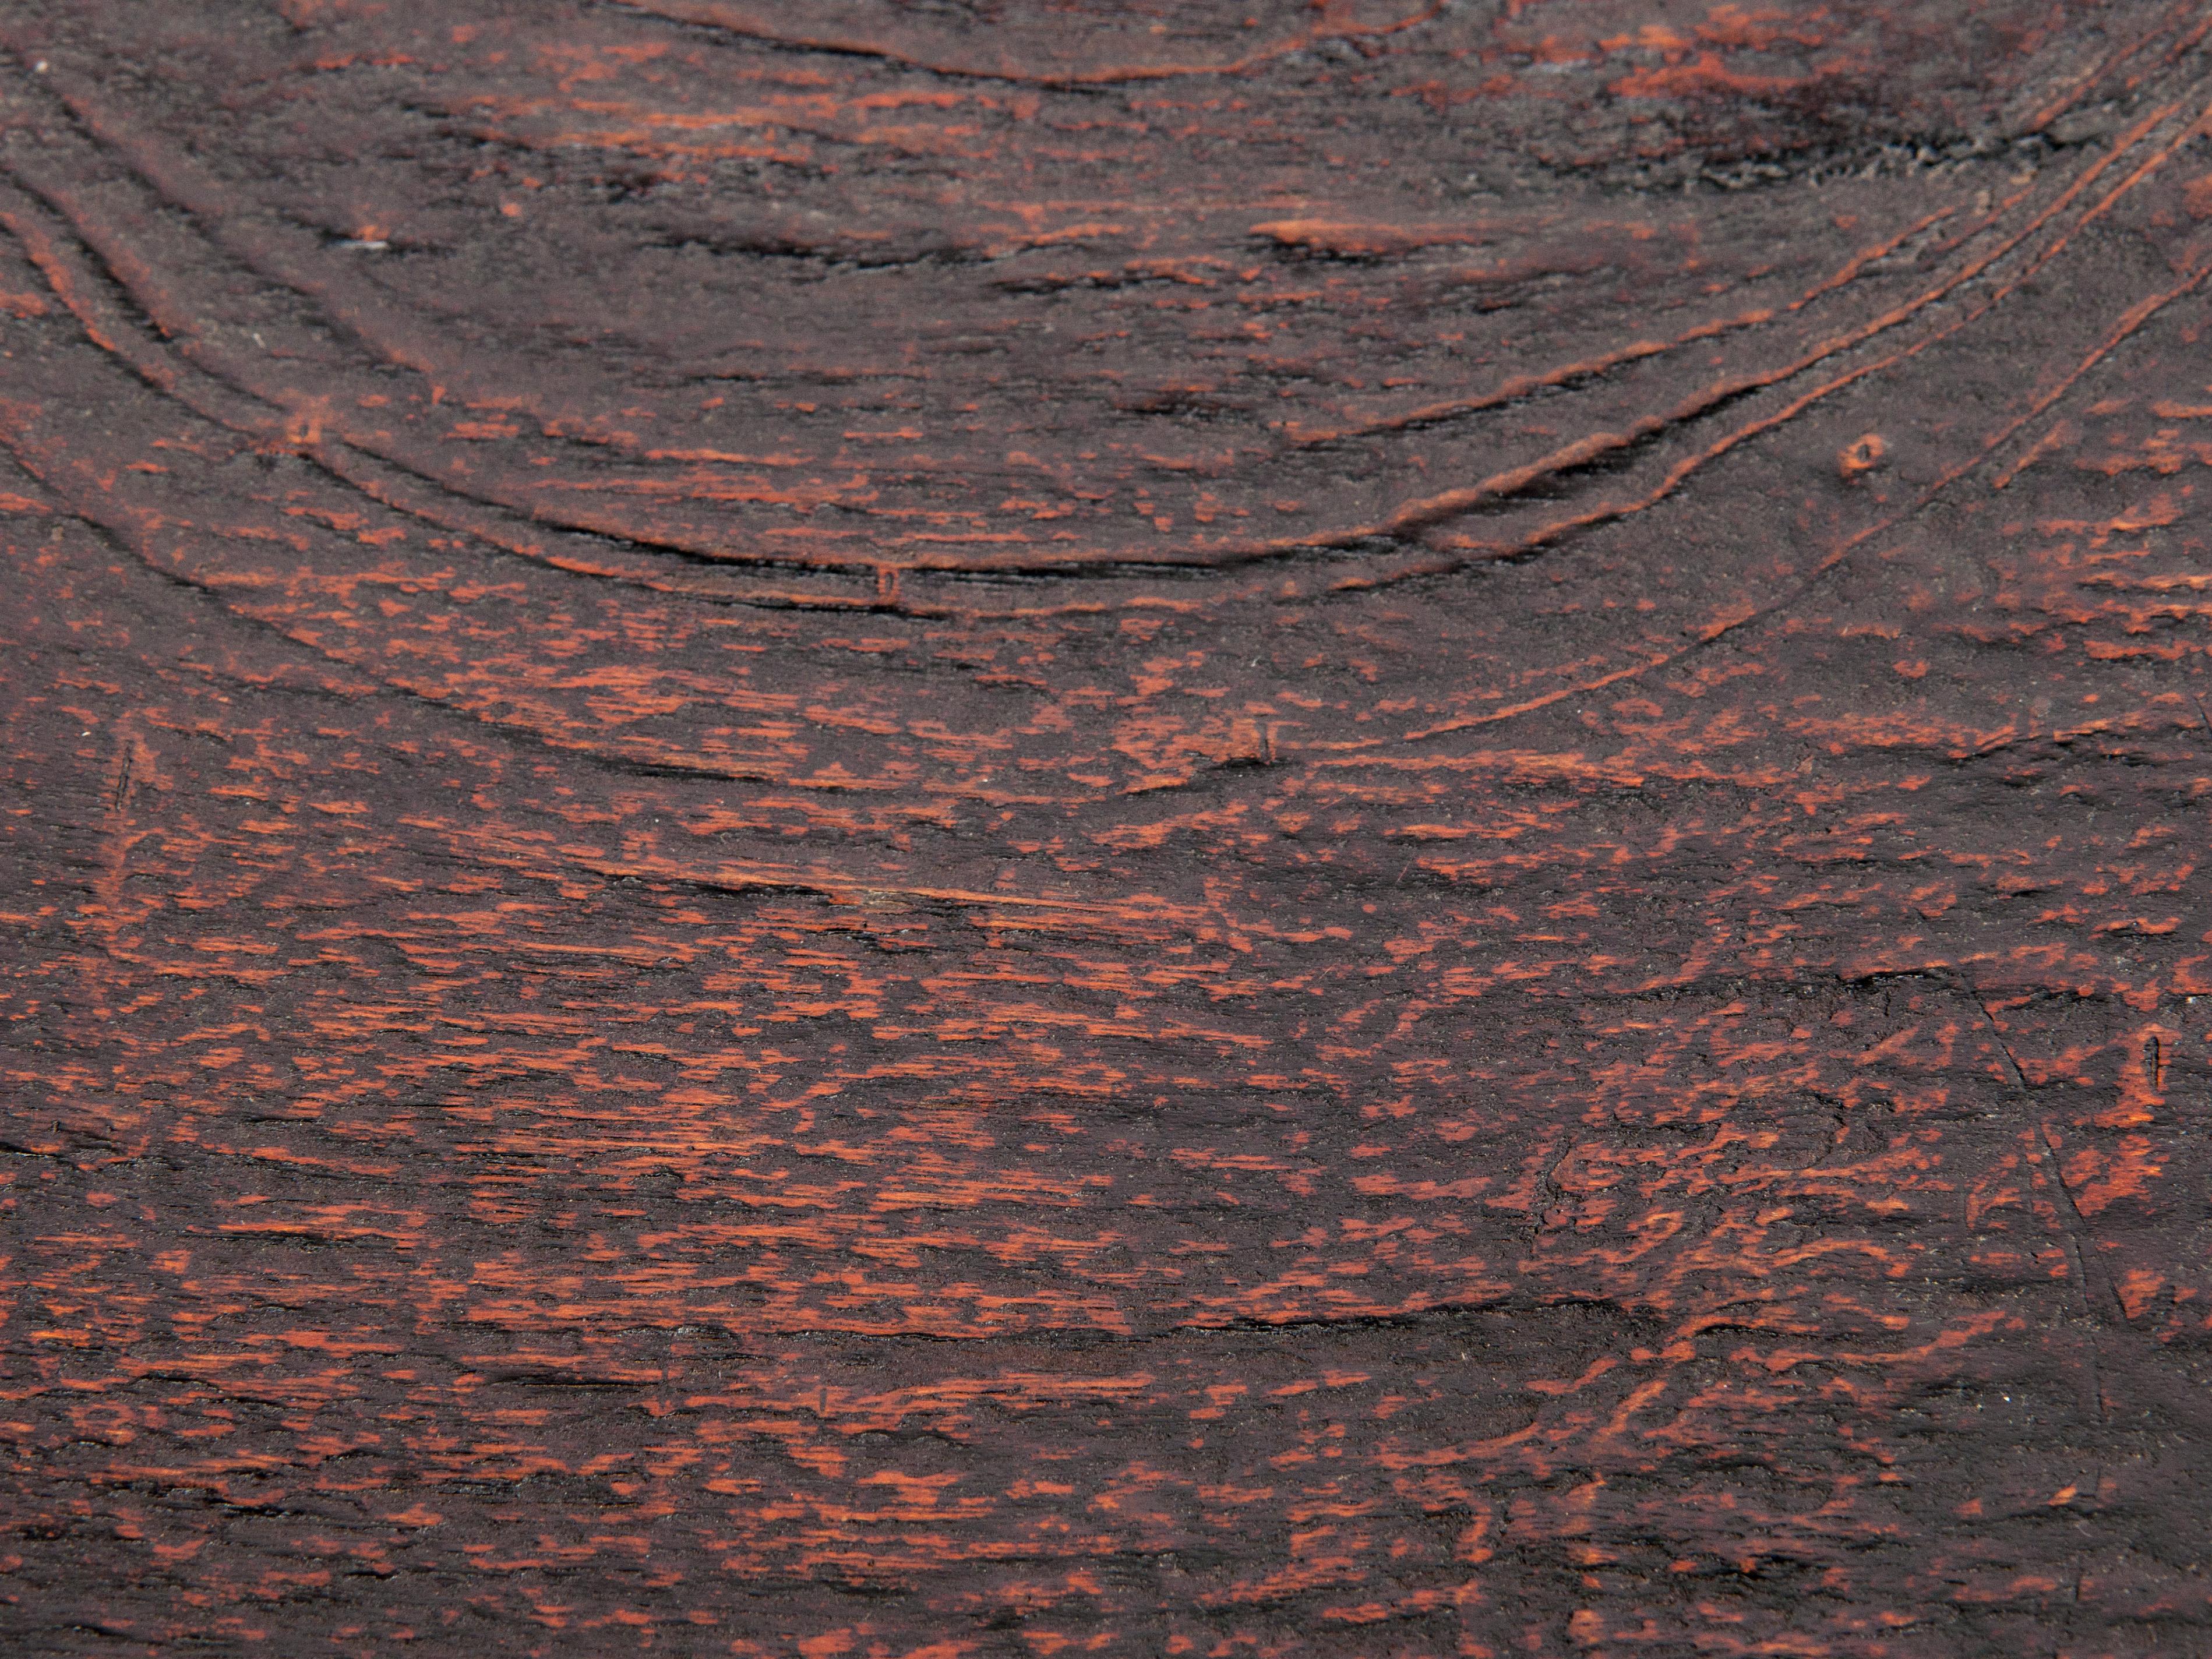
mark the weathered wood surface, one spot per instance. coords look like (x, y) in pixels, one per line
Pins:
(863, 829)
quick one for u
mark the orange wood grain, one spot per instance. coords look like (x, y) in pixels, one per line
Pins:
(904, 831)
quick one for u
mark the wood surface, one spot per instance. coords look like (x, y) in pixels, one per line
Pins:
(881, 831)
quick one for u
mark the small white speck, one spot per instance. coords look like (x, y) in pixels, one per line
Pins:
(360, 246)
(39, 68)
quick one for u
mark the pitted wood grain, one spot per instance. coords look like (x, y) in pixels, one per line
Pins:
(871, 830)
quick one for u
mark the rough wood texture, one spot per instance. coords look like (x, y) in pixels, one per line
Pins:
(870, 829)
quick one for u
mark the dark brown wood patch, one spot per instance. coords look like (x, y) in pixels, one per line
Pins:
(896, 828)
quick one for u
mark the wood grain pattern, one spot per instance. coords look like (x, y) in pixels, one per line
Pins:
(899, 830)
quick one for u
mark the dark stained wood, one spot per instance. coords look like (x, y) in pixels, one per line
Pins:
(897, 829)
